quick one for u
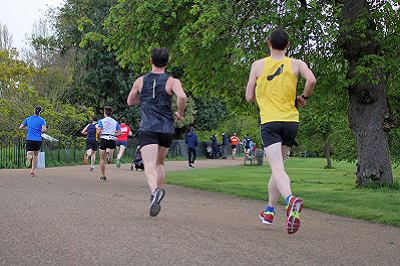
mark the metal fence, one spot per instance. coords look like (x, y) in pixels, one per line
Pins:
(70, 151)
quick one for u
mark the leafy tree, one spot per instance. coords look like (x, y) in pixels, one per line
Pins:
(98, 79)
(349, 44)
(5, 38)
(364, 33)
(18, 98)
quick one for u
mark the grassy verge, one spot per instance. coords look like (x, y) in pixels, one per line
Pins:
(328, 190)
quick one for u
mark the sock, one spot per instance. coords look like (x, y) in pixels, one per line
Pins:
(288, 199)
(270, 209)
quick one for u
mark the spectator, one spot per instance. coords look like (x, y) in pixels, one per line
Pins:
(225, 145)
(214, 146)
(209, 152)
(191, 141)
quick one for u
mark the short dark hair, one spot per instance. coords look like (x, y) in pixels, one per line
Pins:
(95, 118)
(279, 39)
(159, 56)
(108, 110)
(38, 110)
(123, 119)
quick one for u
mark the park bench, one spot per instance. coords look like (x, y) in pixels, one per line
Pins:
(303, 154)
(249, 158)
(254, 158)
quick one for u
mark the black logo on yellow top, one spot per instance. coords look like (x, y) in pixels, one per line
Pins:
(277, 73)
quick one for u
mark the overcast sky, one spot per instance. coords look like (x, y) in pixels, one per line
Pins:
(19, 16)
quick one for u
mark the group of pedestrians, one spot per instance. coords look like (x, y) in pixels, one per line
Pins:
(272, 83)
(222, 150)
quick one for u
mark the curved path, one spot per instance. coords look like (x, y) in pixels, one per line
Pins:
(66, 216)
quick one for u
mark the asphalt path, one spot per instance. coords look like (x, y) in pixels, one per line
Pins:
(66, 216)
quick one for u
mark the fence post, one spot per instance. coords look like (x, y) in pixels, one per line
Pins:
(74, 139)
(19, 152)
(59, 146)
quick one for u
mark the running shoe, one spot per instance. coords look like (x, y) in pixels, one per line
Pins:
(118, 164)
(86, 158)
(155, 199)
(191, 165)
(103, 178)
(91, 168)
(293, 215)
(32, 174)
(267, 217)
(108, 157)
(28, 160)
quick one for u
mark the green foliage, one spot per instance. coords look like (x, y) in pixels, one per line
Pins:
(18, 99)
(215, 42)
(98, 80)
(212, 45)
(241, 125)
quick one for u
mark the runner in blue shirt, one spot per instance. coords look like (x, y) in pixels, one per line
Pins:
(35, 125)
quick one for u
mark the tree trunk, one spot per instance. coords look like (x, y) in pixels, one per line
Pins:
(369, 113)
(327, 151)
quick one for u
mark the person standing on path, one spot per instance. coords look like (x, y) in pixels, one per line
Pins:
(273, 83)
(35, 125)
(122, 141)
(225, 145)
(234, 142)
(108, 131)
(191, 140)
(154, 92)
(91, 142)
(214, 146)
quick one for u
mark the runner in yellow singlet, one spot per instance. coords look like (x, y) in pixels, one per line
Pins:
(273, 83)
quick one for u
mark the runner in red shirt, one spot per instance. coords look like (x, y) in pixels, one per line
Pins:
(122, 141)
(234, 143)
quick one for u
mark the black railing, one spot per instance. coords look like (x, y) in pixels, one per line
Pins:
(70, 151)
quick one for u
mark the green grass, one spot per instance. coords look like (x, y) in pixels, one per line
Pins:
(328, 190)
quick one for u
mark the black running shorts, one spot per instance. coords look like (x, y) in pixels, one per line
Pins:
(161, 139)
(274, 132)
(91, 144)
(32, 145)
(107, 144)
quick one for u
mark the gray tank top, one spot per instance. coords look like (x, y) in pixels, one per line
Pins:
(156, 105)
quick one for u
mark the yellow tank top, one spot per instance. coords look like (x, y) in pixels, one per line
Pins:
(276, 91)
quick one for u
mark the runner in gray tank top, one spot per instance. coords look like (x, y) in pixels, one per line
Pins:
(156, 105)
(154, 93)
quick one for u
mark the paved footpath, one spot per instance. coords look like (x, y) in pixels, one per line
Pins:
(66, 216)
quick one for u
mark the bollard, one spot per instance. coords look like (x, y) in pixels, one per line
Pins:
(259, 157)
(41, 160)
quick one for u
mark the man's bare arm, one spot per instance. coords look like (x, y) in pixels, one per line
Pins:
(308, 75)
(133, 97)
(251, 84)
(181, 99)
